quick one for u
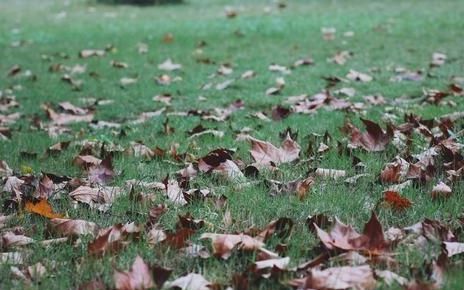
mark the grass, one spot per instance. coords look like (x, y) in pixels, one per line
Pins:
(387, 34)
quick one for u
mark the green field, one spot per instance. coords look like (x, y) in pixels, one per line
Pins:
(44, 39)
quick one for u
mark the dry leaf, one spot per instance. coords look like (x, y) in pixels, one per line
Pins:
(359, 77)
(191, 281)
(69, 227)
(138, 278)
(43, 208)
(441, 190)
(267, 155)
(168, 65)
(338, 278)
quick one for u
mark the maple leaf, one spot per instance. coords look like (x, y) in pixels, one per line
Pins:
(67, 118)
(267, 155)
(338, 278)
(374, 139)
(94, 197)
(453, 248)
(42, 208)
(113, 239)
(174, 192)
(139, 277)
(45, 188)
(346, 238)
(191, 281)
(103, 172)
(69, 227)
(10, 240)
(441, 190)
(396, 201)
(300, 187)
(220, 161)
(224, 244)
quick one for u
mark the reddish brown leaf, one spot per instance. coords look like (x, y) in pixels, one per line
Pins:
(396, 201)
(374, 139)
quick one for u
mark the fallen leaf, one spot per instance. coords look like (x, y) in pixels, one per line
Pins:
(43, 208)
(113, 239)
(168, 65)
(374, 139)
(396, 201)
(441, 190)
(267, 155)
(224, 244)
(330, 173)
(191, 281)
(220, 161)
(11, 240)
(453, 248)
(86, 53)
(70, 227)
(359, 77)
(137, 278)
(347, 277)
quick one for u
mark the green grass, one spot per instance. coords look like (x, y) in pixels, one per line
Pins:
(387, 34)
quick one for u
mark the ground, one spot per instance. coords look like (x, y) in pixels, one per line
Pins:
(35, 35)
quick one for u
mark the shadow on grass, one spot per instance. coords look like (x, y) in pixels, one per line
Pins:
(140, 2)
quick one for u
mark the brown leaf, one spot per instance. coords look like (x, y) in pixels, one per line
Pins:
(348, 277)
(69, 227)
(453, 248)
(5, 170)
(220, 161)
(174, 192)
(359, 77)
(45, 188)
(67, 118)
(138, 278)
(279, 263)
(191, 281)
(113, 239)
(103, 172)
(99, 195)
(346, 238)
(10, 240)
(299, 187)
(224, 244)
(441, 190)
(396, 201)
(374, 139)
(330, 173)
(95, 284)
(267, 155)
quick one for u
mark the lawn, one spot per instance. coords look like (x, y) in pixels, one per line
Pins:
(43, 63)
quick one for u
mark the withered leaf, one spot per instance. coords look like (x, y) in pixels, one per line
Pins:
(42, 208)
(138, 278)
(374, 139)
(267, 155)
(70, 227)
(348, 277)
